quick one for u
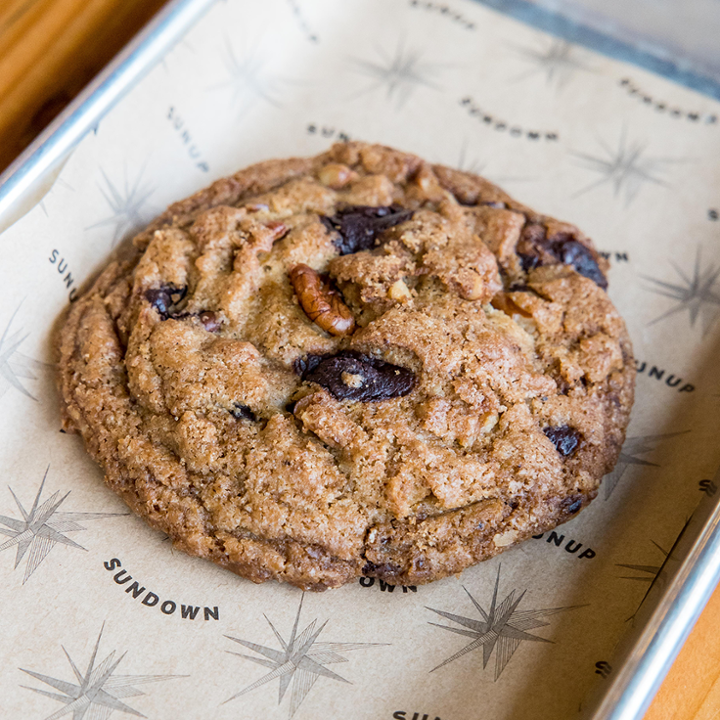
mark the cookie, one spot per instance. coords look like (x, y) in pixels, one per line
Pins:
(353, 364)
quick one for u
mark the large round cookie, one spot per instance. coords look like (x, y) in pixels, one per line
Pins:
(354, 364)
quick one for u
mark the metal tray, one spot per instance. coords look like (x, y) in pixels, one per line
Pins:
(691, 570)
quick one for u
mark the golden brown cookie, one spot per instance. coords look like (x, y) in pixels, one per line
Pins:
(353, 364)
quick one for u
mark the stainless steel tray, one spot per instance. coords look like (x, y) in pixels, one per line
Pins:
(691, 570)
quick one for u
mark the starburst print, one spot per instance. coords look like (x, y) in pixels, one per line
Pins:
(14, 366)
(695, 293)
(98, 691)
(557, 60)
(41, 528)
(632, 448)
(651, 574)
(57, 184)
(627, 167)
(127, 204)
(302, 23)
(300, 662)
(398, 74)
(473, 164)
(470, 164)
(249, 80)
(501, 629)
(644, 573)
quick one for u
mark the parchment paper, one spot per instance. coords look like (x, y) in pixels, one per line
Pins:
(100, 618)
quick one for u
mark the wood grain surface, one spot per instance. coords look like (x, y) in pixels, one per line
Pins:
(50, 49)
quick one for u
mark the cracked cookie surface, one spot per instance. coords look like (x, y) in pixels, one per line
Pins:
(353, 364)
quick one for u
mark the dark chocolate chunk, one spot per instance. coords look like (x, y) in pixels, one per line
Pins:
(164, 298)
(572, 504)
(571, 252)
(209, 320)
(303, 366)
(564, 438)
(359, 226)
(242, 412)
(528, 262)
(160, 300)
(531, 245)
(353, 376)
(535, 248)
(383, 570)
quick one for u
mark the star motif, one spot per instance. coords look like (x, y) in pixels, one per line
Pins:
(297, 12)
(58, 183)
(502, 628)
(399, 74)
(634, 446)
(299, 663)
(98, 691)
(695, 293)
(249, 80)
(648, 572)
(474, 165)
(127, 205)
(41, 528)
(627, 168)
(557, 60)
(13, 364)
(653, 573)
(467, 164)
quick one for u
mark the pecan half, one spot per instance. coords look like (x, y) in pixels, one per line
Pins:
(321, 303)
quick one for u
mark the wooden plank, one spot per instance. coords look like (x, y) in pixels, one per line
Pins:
(691, 690)
(49, 51)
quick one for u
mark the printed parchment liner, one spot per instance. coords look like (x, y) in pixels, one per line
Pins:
(101, 618)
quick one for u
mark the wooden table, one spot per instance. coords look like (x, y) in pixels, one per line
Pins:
(50, 49)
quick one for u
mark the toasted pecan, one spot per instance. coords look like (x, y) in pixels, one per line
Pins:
(321, 303)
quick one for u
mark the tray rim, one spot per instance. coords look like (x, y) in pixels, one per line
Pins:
(26, 180)
(24, 183)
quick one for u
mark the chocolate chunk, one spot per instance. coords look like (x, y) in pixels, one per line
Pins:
(496, 204)
(164, 298)
(359, 226)
(243, 412)
(571, 252)
(528, 262)
(160, 300)
(210, 321)
(572, 504)
(384, 570)
(535, 249)
(564, 438)
(531, 245)
(353, 376)
(303, 366)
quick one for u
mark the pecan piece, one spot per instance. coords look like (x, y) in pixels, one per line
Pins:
(321, 303)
